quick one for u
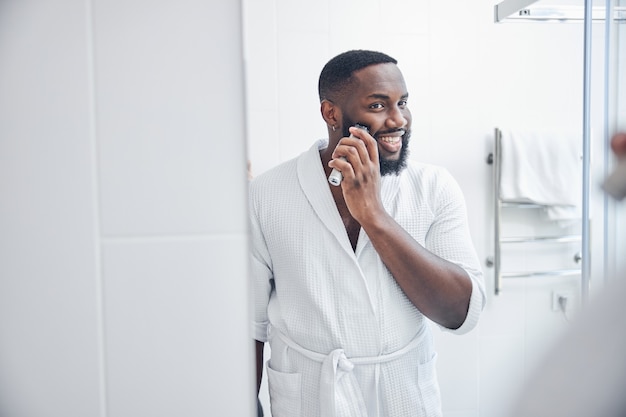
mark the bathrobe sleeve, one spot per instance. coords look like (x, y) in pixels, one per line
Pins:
(449, 238)
(260, 274)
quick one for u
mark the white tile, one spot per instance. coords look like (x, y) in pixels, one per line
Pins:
(501, 373)
(49, 352)
(260, 46)
(177, 327)
(356, 27)
(263, 141)
(457, 370)
(301, 59)
(505, 313)
(415, 16)
(303, 16)
(170, 116)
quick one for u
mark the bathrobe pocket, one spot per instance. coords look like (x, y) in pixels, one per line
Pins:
(285, 393)
(429, 387)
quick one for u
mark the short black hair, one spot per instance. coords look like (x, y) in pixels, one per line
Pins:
(337, 73)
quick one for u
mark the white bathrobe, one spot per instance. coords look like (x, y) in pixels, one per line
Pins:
(345, 340)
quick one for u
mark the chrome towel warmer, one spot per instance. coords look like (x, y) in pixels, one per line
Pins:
(495, 159)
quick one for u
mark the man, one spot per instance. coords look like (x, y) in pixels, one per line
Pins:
(347, 278)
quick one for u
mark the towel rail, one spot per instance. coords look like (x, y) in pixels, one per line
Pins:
(549, 239)
(495, 159)
(519, 205)
(555, 273)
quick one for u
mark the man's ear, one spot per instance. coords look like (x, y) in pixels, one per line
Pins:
(330, 112)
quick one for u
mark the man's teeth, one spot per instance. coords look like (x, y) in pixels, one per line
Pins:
(390, 139)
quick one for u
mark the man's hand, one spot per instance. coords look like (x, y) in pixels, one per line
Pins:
(361, 174)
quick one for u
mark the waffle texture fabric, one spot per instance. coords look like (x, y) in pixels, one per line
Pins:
(344, 338)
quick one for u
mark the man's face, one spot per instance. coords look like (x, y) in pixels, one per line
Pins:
(378, 100)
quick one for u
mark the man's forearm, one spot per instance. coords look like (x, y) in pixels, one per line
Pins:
(440, 289)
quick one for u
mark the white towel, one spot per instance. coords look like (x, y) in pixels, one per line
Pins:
(545, 168)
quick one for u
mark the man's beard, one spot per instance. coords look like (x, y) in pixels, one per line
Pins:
(387, 167)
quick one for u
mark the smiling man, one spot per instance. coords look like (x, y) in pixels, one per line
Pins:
(347, 277)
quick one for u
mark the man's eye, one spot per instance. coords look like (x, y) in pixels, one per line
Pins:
(376, 106)
(402, 103)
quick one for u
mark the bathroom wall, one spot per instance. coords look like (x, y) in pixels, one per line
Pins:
(466, 75)
(122, 210)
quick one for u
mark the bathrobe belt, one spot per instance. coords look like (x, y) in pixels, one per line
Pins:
(340, 395)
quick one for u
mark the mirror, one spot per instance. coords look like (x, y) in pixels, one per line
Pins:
(466, 76)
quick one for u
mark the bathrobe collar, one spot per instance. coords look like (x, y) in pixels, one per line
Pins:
(315, 186)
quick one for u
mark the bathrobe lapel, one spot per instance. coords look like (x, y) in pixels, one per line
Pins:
(315, 185)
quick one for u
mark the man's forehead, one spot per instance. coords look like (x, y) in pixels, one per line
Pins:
(379, 78)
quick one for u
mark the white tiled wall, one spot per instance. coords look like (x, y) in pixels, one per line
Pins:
(466, 76)
(123, 235)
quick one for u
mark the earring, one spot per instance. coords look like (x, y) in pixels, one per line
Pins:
(334, 128)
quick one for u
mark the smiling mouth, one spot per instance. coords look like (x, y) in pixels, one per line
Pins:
(390, 139)
(390, 143)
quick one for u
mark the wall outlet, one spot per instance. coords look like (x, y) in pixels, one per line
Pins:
(560, 301)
